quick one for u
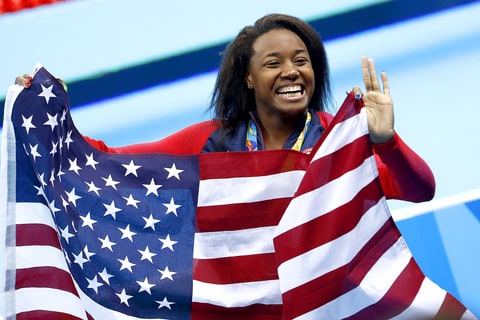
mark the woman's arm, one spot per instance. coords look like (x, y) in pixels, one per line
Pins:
(403, 174)
(189, 140)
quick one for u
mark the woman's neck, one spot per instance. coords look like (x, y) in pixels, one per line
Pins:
(276, 130)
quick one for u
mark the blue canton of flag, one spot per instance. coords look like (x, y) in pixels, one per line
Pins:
(126, 226)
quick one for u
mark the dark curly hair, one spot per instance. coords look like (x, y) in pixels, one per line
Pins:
(232, 100)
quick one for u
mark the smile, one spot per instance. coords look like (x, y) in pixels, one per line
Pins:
(290, 91)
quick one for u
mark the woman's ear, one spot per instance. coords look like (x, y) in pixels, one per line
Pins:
(248, 80)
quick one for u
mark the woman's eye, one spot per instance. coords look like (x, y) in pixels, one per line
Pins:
(272, 63)
(301, 61)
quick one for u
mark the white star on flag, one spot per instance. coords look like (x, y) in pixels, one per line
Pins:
(126, 264)
(166, 273)
(54, 148)
(150, 222)
(167, 243)
(145, 286)
(123, 297)
(52, 121)
(172, 207)
(79, 259)
(164, 303)
(94, 284)
(68, 139)
(152, 187)
(34, 153)
(105, 275)
(88, 254)
(72, 197)
(47, 93)
(87, 221)
(106, 243)
(74, 166)
(111, 209)
(52, 207)
(27, 123)
(173, 172)
(147, 255)
(131, 168)
(126, 233)
(41, 179)
(90, 161)
(131, 201)
(109, 182)
(93, 188)
(66, 234)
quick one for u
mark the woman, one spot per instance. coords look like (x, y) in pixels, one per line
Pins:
(271, 92)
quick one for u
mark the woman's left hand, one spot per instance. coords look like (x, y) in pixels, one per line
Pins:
(378, 103)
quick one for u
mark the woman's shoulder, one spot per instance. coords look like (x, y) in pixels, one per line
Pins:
(191, 139)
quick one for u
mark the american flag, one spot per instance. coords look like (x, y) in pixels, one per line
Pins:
(92, 235)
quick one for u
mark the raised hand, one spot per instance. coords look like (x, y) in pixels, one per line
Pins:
(378, 103)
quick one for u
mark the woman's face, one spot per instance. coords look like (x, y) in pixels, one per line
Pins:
(281, 74)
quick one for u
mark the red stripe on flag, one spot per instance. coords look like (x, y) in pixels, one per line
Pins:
(41, 314)
(37, 235)
(253, 164)
(257, 267)
(239, 216)
(203, 311)
(333, 225)
(451, 309)
(45, 277)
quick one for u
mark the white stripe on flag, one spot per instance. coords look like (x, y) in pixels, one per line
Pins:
(221, 244)
(40, 256)
(31, 299)
(373, 287)
(328, 257)
(34, 212)
(342, 134)
(428, 298)
(238, 294)
(250, 189)
(306, 207)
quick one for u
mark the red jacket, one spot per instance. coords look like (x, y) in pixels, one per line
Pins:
(403, 174)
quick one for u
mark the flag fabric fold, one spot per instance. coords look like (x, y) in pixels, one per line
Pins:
(339, 252)
(263, 235)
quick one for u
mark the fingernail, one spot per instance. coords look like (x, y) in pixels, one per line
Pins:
(30, 78)
(27, 84)
(358, 96)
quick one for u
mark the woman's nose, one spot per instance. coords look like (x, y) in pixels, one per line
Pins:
(290, 72)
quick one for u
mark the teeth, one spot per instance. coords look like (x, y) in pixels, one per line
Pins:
(292, 94)
(293, 89)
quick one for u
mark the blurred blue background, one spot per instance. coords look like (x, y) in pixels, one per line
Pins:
(140, 70)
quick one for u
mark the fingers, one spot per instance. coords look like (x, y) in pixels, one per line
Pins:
(358, 93)
(370, 78)
(373, 75)
(386, 85)
(367, 80)
(25, 80)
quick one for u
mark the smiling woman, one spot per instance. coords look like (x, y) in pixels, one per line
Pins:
(282, 77)
(272, 81)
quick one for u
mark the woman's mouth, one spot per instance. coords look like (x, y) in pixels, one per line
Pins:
(290, 91)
